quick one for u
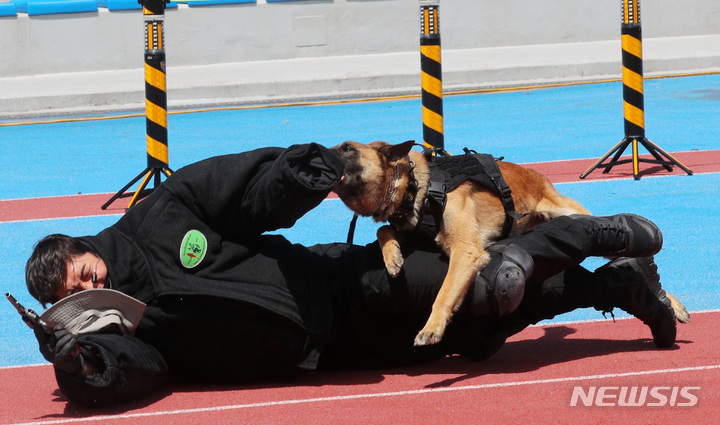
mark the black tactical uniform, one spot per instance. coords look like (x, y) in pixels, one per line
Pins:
(226, 302)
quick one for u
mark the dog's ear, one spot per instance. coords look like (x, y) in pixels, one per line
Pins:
(399, 151)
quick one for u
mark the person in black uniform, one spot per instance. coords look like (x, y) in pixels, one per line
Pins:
(226, 302)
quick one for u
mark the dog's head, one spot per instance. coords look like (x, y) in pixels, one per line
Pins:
(370, 180)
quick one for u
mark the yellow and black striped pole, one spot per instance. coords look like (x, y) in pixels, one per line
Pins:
(633, 101)
(155, 104)
(632, 73)
(431, 69)
(155, 86)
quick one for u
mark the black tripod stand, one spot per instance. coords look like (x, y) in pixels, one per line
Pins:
(667, 162)
(633, 98)
(142, 191)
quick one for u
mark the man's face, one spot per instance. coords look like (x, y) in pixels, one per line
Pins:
(86, 271)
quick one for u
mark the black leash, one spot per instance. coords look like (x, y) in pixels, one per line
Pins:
(351, 230)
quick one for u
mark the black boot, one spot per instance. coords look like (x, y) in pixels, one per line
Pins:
(633, 285)
(630, 284)
(625, 235)
(566, 241)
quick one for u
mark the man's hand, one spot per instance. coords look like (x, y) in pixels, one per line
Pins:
(314, 166)
(61, 349)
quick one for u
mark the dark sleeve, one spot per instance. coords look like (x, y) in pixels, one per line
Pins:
(249, 193)
(129, 369)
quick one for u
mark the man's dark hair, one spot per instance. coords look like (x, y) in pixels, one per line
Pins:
(46, 269)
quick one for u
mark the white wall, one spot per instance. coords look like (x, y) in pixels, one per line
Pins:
(248, 34)
(270, 31)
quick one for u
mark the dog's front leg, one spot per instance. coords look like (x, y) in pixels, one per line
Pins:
(390, 245)
(463, 266)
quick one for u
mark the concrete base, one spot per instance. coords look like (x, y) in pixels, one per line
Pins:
(360, 76)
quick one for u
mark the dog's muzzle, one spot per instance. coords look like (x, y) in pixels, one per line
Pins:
(499, 287)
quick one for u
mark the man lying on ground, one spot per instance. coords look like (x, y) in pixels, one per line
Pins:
(227, 302)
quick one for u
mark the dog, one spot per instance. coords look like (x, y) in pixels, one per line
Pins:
(377, 182)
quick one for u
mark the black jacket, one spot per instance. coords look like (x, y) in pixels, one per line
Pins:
(228, 201)
(245, 306)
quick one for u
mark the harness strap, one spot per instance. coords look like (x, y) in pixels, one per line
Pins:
(503, 190)
(434, 206)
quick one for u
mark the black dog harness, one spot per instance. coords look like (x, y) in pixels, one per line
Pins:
(448, 172)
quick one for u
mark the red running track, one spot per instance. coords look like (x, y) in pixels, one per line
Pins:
(530, 380)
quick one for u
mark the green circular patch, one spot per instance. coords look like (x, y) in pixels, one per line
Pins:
(193, 248)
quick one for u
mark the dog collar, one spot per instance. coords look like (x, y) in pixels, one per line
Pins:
(407, 206)
(411, 189)
(392, 189)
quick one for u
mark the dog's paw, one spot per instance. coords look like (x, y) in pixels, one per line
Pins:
(394, 266)
(681, 313)
(428, 337)
(392, 256)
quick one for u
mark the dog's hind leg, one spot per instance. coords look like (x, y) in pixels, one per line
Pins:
(550, 206)
(554, 204)
(681, 313)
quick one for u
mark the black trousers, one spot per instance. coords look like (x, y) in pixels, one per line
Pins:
(374, 317)
(377, 317)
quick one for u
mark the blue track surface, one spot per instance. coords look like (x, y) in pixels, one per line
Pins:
(582, 121)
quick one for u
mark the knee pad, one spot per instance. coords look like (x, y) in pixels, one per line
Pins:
(499, 287)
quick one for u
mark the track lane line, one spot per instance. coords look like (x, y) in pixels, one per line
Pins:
(375, 395)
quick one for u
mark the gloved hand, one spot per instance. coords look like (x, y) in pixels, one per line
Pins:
(314, 166)
(61, 349)
(297, 181)
(47, 343)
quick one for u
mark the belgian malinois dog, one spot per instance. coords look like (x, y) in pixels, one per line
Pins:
(377, 180)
